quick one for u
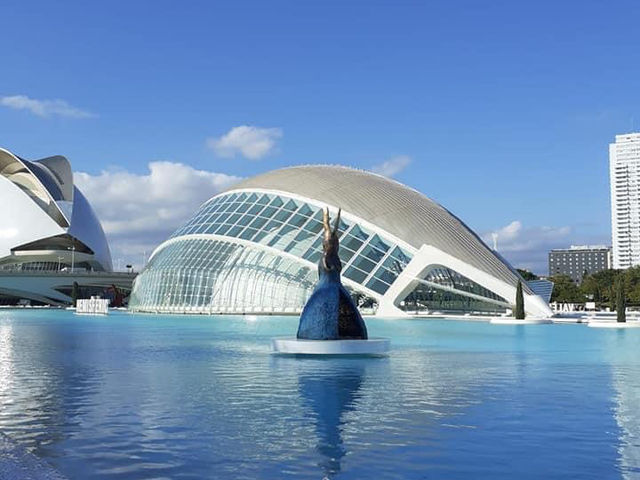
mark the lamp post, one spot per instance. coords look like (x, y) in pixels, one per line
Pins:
(59, 260)
(73, 255)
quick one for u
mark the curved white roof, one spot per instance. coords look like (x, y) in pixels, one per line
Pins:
(392, 206)
(45, 203)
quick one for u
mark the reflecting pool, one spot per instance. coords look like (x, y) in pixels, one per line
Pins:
(144, 396)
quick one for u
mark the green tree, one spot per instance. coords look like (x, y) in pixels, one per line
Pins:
(612, 299)
(631, 278)
(519, 311)
(526, 274)
(585, 274)
(589, 287)
(75, 293)
(621, 306)
(565, 290)
(600, 287)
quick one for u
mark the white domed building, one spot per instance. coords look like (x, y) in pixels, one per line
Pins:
(254, 249)
(46, 220)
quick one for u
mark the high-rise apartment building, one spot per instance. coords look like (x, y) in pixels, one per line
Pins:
(624, 172)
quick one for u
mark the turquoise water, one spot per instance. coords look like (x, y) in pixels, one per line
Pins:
(141, 396)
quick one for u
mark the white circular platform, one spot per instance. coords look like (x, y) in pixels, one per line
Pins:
(514, 321)
(294, 346)
(612, 324)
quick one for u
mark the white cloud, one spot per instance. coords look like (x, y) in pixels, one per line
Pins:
(393, 166)
(250, 142)
(528, 247)
(138, 212)
(44, 108)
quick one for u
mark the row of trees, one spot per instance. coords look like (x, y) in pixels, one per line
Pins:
(613, 288)
(599, 287)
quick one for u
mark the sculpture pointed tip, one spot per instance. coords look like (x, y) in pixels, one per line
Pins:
(336, 222)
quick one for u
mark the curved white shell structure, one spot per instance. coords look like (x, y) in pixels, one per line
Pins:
(254, 248)
(47, 223)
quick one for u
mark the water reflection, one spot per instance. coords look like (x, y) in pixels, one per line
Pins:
(6, 359)
(42, 395)
(141, 397)
(329, 390)
(622, 348)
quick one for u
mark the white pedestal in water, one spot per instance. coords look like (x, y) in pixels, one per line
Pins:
(294, 346)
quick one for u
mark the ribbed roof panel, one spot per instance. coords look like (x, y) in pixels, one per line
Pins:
(392, 206)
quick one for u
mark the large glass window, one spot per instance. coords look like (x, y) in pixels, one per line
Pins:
(296, 227)
(426, 298)
(354, 239)
(209, 276)
(443, 289)
(306, 235)
(355, 274)
(450, 278)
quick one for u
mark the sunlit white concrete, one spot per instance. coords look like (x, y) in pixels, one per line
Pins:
(295, 346)
(612, 324)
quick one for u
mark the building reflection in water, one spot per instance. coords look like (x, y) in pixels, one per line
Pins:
(625, 371)
(330, 390)
(41, 394)
(6, 360)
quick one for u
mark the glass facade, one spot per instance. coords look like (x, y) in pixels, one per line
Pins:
(444, 290)
(256, 252)
(295, 227)
(44, 266)
(263, 258)
(201, 275)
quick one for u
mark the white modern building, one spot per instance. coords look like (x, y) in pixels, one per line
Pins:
(255, 248)
(624, 174)
(47, 225)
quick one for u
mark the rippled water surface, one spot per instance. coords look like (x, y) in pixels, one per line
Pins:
(141, 396)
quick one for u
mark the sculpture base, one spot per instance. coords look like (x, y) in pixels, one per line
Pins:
(295, 346)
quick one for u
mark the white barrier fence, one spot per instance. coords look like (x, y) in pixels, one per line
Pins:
(93, 306)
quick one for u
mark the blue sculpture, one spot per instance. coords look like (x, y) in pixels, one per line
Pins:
(330, 313)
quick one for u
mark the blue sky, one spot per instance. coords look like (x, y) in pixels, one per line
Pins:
(502, 111)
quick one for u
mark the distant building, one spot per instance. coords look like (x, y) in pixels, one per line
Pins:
(577, 259)
(49, 234)
(624, 173)
(47, 223)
